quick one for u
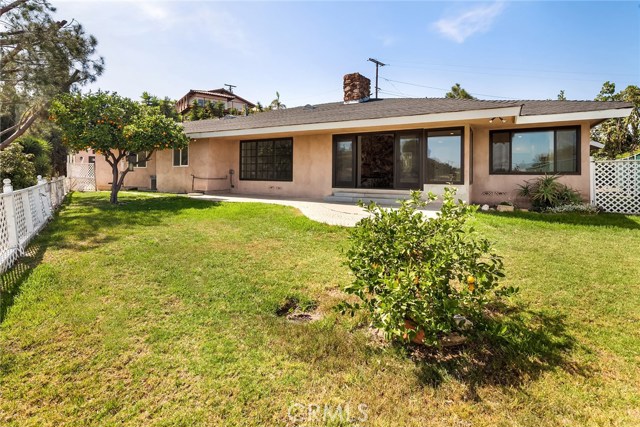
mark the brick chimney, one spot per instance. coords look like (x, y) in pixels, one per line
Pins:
(357, 88)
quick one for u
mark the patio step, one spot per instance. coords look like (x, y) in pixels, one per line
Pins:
(381, 198)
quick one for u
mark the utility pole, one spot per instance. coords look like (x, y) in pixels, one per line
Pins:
(230, 87)
(378, 64)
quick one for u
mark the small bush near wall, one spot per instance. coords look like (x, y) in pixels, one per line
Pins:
(416, 275)
(546, 192)
(583, 208)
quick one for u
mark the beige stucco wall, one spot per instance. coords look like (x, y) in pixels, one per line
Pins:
(484, 182)
(139, 178)
(312, 166)
(205, 161)
(311, 170)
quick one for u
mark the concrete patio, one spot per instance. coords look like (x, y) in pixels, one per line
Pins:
(344, 214)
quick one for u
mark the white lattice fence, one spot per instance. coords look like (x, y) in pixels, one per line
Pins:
(24, 212)
(616, 185)
(82, 176)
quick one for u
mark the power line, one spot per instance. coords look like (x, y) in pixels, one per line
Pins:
(399, 91)
(442, 89)
(399, 95)
(475, 67)
(498, 74)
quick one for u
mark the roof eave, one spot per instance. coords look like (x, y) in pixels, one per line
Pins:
(363, 123)
(597, 115)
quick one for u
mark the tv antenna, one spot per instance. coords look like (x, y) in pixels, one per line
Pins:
(230, 87)
(378, 65)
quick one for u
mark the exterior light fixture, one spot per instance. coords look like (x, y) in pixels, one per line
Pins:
(501, 119)
(131, 160)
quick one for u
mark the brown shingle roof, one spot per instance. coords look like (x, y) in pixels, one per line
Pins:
(209, 92)
(386, 108)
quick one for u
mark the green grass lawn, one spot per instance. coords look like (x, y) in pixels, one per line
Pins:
(162, 311)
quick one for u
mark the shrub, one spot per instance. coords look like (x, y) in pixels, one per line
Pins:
(409, 267)
(17, 166)
(546, 192)
(41, 151)
(583, 208)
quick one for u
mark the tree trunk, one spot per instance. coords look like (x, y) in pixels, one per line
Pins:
(114, 184)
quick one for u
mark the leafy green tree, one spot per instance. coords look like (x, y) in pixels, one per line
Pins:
(210, 110)
(40, 150)
(561, 96)
(195, 112)
(622, 135)
(18, 166)
(50, 132)
(213, 110)
(115, 127)
(166, 106)
(39, 58)
(458, 92)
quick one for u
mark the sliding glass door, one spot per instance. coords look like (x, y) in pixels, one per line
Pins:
(344, 162)
(402, 160)
(408, 160)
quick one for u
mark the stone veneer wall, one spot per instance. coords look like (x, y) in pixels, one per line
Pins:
(357, 88)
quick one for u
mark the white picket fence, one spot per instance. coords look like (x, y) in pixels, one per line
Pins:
(615, 185)
(24, 212)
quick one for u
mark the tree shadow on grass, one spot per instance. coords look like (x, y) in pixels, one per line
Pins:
(515, 347)
(86, 223)
(12, 280)
(600, 220)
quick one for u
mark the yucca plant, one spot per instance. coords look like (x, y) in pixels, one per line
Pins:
(546, 192)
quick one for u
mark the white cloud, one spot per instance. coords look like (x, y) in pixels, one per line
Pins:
(203, 22)
(154, 10)
(388, 40)
(476, 20)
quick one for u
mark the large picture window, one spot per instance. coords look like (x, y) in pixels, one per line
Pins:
(267, 160)
(535, 151)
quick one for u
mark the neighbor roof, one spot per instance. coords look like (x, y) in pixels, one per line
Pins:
(390, 108)
(222, 93)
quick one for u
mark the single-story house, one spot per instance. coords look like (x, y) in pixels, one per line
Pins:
(382, 147)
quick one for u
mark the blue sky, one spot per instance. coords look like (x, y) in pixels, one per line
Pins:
(496, 50)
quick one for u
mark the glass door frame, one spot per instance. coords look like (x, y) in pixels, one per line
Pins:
(425, 141)
(421, 134)
(354, 160)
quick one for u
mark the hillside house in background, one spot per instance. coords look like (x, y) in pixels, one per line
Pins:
(230, 100)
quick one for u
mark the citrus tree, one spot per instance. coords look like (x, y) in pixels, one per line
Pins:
(418, 275)
(115, 127)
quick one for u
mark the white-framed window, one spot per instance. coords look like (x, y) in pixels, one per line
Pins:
(141, 159)
(181, 157)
